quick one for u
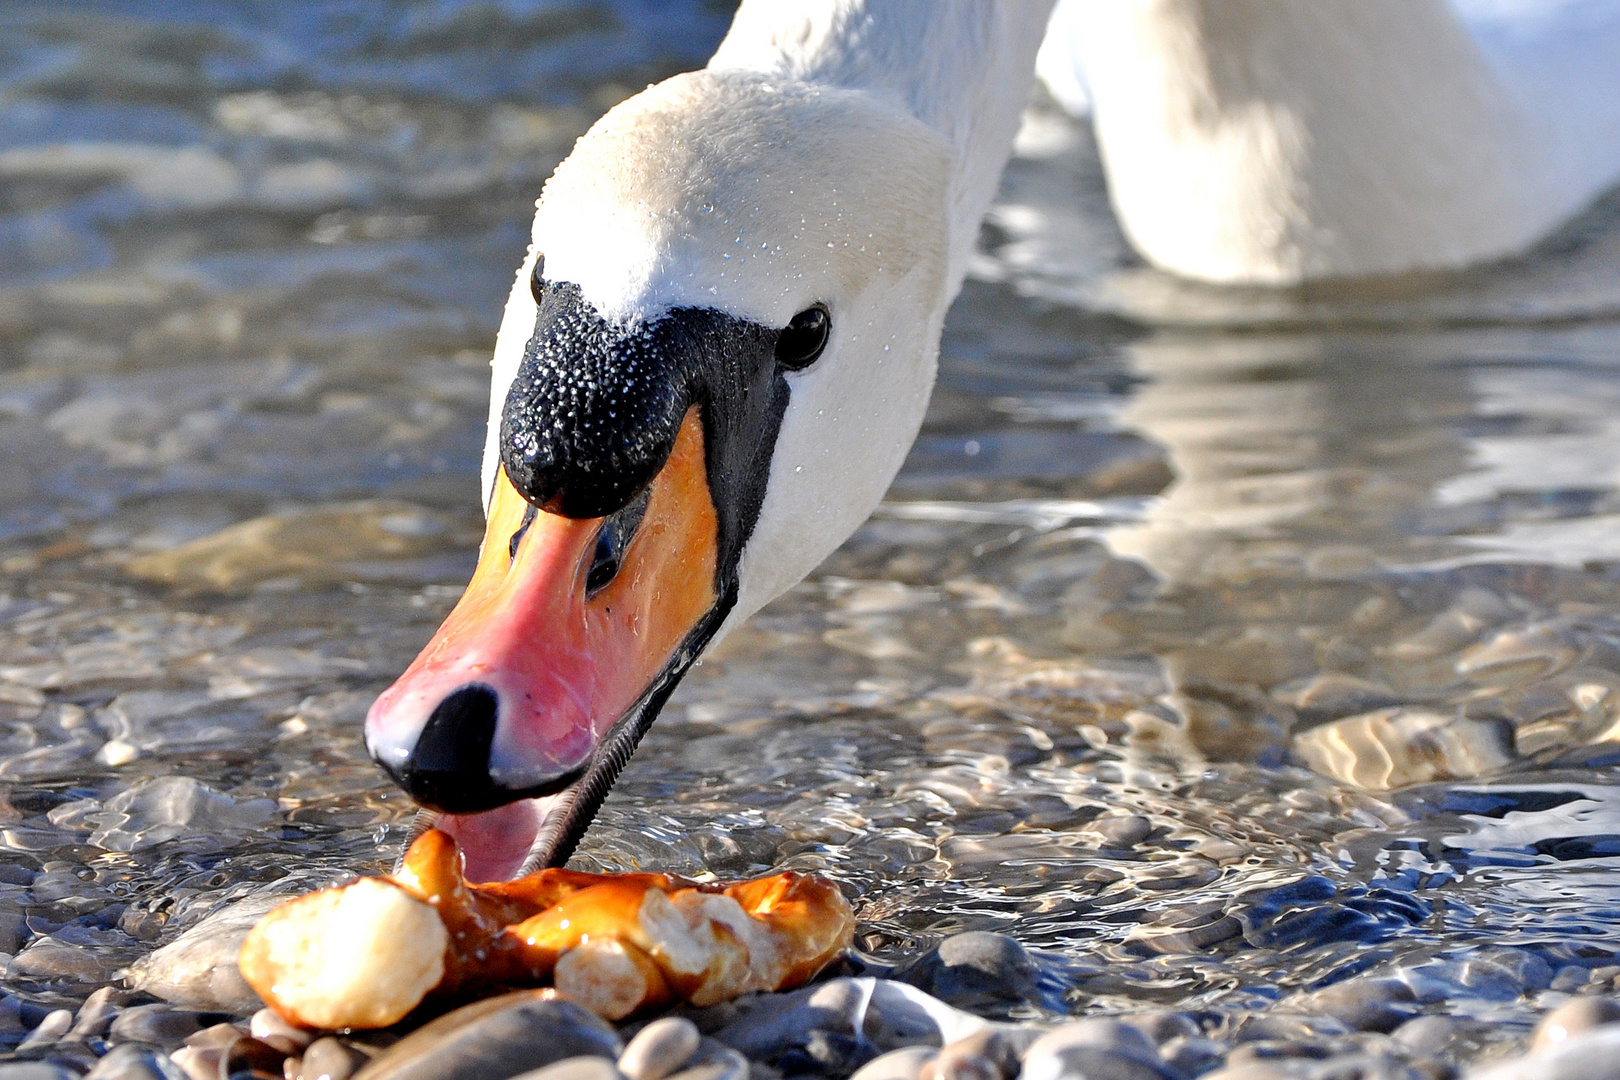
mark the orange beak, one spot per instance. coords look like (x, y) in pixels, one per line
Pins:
(541, 665)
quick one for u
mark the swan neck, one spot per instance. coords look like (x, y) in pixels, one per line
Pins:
(964, 68)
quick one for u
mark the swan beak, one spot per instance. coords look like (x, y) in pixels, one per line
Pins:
(541, 663)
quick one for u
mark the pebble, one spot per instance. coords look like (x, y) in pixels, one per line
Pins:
(328, 1059)
(1192, 1055)
(36, 1070)
(134, 1062)
(977, 969)
(161, 1025)
(198, 1062)
(1096, 1050)
(902, 1064)
(53, 1027)
(496, 1039)
(1380, 1005)
(714, 1061)
(585, 1067)
(267, 1024)
(48, 958)
(823, 1024)
(990, 1054)
(1573, 1018)
(198, 968)
(1427, 1036)
(98, 1012)
(1592, 1055)
(660, 1048)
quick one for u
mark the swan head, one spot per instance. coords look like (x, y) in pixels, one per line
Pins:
(712, 364)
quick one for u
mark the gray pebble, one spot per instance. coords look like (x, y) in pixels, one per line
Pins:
(714, 1061)
(1096, 1050)
(585, 1067)
(36, 1070)
(198, 968)
(48, 958)
(975, 969)
(14, 932)
(98, 1012)
(1570, 978)
(1594, 1055)
(53, 1027)
(1161, 1027)
(268, 1025)
(1121, 832)
(1380, 1005)
(198, 1062)
(1573, 1018)
(821, 1023)
(1427, 1036)
(660, 1048)
(328, 1059)
(986, 1055)
(161, 1025)
(495, 1039)
(1192, 1055)
(215, 1035)
(902, 1064)
(133, 1062)
(1271, 1027)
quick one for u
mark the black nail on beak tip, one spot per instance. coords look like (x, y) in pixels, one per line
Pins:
(448, 769)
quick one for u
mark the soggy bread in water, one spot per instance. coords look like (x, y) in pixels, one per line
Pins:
(365, 954)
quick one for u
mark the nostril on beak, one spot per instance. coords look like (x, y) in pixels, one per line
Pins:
(448, 768)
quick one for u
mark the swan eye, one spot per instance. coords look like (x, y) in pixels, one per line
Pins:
(537, 284)
(607, 555)
(802, 340)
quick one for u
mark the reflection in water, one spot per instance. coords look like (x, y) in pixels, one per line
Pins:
(1222, 643)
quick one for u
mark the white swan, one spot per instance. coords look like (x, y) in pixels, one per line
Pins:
(722, 343)
(1283, 140)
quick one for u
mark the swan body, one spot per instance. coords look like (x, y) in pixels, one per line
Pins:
(722, 342)
(1279, 141)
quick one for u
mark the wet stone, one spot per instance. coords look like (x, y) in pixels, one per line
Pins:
(271, 1028)
(1192, 1055)
(1572, 1019)
(977, 968)
(495, 1039)
(714, 1061)
(815, 1028)
(134, 1062)
(660, 1048)
(53, 960)
(1094, 1049)
(905, 1063)
(990, 1054)
(1380, 1005)
(1427, 1036)
(161, 1025)
(53, 1027)
(98, 1012)
(329, 1059)
(14, 932)
(198, 969)
(575, 1068)
(36, 1070)
(1594, 1055)
(1121, 832)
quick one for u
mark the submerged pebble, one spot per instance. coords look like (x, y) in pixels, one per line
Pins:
(662, 1047)
(495, 1039)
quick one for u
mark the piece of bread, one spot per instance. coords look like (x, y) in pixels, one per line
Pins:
(365, 954)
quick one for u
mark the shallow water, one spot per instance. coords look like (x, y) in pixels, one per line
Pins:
(1221, 643)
